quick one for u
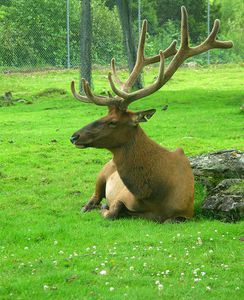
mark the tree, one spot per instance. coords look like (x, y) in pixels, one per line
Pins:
(129, 41)
(85, 41)
(232, 13)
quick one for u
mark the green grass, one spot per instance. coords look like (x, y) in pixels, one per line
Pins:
(48, 250)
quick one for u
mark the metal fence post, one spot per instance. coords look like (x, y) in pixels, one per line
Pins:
(67, 34)
(208, 21)
(139, 17)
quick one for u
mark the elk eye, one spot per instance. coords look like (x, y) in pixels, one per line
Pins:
(112, 123)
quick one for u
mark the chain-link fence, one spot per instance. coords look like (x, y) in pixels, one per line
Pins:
(46, 34)
(39, 34)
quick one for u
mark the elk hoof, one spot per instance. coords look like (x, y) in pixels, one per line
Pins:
(105, 206)
(89, 207)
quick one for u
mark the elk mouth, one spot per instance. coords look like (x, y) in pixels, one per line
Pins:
(82, 146)
(75, 140)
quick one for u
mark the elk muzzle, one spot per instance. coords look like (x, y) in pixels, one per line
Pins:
(74, 138)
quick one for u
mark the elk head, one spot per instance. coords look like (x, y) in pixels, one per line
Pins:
(120, 124)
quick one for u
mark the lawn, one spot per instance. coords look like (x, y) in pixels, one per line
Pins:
(49, 250)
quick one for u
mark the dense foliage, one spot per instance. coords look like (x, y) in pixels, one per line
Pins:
(33, 32)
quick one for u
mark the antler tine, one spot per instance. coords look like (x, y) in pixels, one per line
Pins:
(143, 61)
(184, 29)
(214, 31)
(139, 59)
(185, 51)
(141, 44)
(78, 96)
(211, 42)
(213, 34)
(99, 100)
(117, 91)
(130, 97)
(91, 98)
(151, 88)
(171, 50)
(118, 81)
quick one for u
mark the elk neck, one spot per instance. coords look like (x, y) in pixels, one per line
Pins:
(135, 162)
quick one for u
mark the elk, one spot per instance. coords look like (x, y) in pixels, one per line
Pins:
(143, 179)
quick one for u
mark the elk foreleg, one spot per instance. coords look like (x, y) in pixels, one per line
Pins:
(98, 195)
(101, 181)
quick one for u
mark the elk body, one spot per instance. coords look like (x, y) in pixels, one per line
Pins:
(143, 179)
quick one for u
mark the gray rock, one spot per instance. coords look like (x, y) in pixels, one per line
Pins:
(226, 201)
(209, 169)
(222, 173)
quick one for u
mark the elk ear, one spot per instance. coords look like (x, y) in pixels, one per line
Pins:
(143, 116)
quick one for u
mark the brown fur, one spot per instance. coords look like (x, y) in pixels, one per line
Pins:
(143, 179)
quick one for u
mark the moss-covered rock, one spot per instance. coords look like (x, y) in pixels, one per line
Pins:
(222, 173)
(226, 200)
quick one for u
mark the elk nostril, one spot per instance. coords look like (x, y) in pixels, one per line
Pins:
(74, 138)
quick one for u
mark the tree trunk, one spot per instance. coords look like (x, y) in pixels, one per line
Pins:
(85, 41)
(129, 41)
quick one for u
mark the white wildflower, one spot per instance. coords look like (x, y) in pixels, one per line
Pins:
(103, 272)
(199, 241)
(111, 289)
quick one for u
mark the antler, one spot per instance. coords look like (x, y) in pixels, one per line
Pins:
(123, 95)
